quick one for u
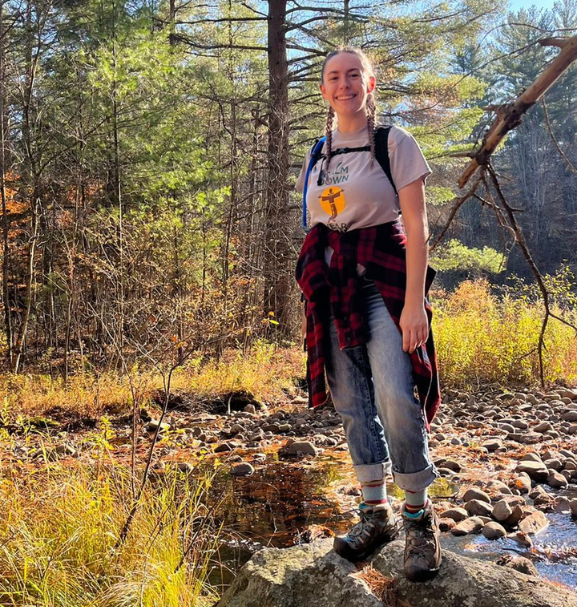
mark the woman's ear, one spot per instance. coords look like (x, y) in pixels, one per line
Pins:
(371, 84)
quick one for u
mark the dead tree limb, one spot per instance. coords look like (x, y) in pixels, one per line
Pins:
(520, 239)
(509, 115)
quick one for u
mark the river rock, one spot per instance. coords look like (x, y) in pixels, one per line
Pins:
(531, 438)
(244, 469)
(470, 525)
(296, 448)
(536, 470)
(531, 457)
(500, 487)
(494, 531)
(476, 494)
(553, 463)
(543, 427)
(516, 516)
(446, 524)
(313, 573)
(569, 416)
(556, 480)
(492, 445)
(478, 508)
(523, 483)
(502, 511)
(457, 514)
(533, 523)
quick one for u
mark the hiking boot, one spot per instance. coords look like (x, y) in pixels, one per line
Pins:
(422, 547)
(376, 527)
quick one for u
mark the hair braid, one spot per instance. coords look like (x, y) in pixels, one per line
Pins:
(329, 133)
(371, 119)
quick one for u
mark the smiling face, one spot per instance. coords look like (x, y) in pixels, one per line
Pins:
(346, 83)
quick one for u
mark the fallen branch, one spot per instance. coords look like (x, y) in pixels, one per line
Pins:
(509, 115)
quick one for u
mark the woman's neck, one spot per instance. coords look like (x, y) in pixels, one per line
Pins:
(349, 124)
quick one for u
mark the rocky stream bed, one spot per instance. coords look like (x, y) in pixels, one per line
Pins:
(507, 461)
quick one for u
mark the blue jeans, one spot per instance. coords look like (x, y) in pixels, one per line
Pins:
(372, 389)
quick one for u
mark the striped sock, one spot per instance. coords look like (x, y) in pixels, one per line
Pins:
(415, 501)
(374, 492)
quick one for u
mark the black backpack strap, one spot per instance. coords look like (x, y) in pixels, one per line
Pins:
(382, 152)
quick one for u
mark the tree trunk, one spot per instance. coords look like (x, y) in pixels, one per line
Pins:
(277, 274)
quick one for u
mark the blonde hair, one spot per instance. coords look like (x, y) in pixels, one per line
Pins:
(371, 108)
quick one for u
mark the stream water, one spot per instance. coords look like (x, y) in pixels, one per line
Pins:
(282, 500)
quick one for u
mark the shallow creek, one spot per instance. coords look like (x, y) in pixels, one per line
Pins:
(283, 503)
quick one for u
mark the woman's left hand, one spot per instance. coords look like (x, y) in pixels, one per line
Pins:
(415, 327)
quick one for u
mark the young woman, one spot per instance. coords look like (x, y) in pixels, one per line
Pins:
(365, 277)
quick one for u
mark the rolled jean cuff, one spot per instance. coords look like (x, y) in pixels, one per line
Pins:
(372, 472)
(416, 481)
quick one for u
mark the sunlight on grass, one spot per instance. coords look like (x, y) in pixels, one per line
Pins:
(60, 526)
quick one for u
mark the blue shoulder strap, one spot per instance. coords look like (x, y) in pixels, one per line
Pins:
(316, 152)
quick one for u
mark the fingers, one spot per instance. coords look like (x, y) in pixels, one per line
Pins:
(414, 338)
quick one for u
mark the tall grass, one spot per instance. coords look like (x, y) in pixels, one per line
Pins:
(481, 337)
(60, 525)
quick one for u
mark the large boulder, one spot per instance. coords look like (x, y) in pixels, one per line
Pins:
(314, 574)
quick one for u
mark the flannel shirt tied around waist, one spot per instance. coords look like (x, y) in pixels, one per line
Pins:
(381, 250)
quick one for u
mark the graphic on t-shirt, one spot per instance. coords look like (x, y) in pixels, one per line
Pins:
(333, 201)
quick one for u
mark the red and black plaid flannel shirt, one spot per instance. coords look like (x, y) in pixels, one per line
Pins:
(381, 250)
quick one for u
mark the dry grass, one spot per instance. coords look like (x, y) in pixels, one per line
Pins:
(60, 526)
(383, 587)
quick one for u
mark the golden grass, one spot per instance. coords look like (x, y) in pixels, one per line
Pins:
(482, 338)
(60, 526)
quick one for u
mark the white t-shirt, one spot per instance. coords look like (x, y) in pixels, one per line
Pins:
(353, 194)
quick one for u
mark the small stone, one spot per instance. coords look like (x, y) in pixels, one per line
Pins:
(553, 463)
(492, 445)
(500, 487)
(494, 531)
(502, 511)
(222, 448)
(456, 514)
(476, 494)
(300, 448)
(572, 429)
(531, 457)
(244, 469)
(250, 409)
(531, 438)
(515, 517)
(573, 506)
(533, 523)
(520, 424)
(523, 483)
(543, 427)
(556, 480)
(569, 416)
(445, 472)
(477, 507)
(446, 524)
(536, 470)
(471, 525)
(452, 465)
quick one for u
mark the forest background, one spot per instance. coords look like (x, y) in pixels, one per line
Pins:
(149, 153)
